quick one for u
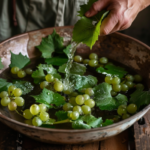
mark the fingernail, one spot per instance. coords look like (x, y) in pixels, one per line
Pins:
(87, 13)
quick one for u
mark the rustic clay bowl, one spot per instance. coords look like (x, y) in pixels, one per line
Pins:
(118, 47)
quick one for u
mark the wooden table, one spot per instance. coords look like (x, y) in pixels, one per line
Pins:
(12, 140)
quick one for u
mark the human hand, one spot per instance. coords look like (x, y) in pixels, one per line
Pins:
(122, 13)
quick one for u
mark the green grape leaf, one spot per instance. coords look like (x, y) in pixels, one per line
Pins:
(81, 82)
(121, 100)
(50, 98)
(19, 61)
(25, 86)
(107, 122)
(4, 85)
(67, 50)
(56, 61)
(140, 98)
(75, 69)
(79, 124)
(112, 70)
(1, 65)
(61, 115)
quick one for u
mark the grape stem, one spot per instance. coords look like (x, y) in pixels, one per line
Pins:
(18, 113)
(63, 121)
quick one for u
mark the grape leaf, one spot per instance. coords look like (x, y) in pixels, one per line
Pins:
(112, 70)
(75, 69)
(61, 115)
(4, 85)
(56, 61)
(79, 124)
(1, 65)
(67, 50)
(25, 86)
(107, 122)
(140, 98)
(19, 60)
(121, 100)
(49, 97)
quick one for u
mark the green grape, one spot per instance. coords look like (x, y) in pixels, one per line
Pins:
(132, 108)
(93, 56)
(56, 80)
(116, 87)
(124, 87)
(125, 116)
(44, 84)
(49, 78)
(69, 114)
(129, 84)
(17, 92)
(68, 91)
(74, 94)
(5, 101)
(78, 109)
(113, 93)
(116, 80)
(137, 78)
(28, 71)
(108, 79)
(42, 107)
(86, 61)
(29, 122)
(90, 103)
(89, 91)
(11, 89)
(67, 107)
(58, 86)
(86, 109)
(122, 109)
(21, 74)
(74, 115)
(12, 106)
(14, 70)
(103, 60)
(93, 63)
(19, 101)
(86, 97)
(27, 114)
(129, 77)
(3, 94)
(34, 109)
(78, 58)
(139, 86)
(72, 101)
(36, 121)
(80, 100)
(44, 116)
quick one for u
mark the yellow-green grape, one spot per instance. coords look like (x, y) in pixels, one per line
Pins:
(93, 63)
(116, 80)
(139, 86)
(17, 92)
(68, 91)
(56, 80)
(90, 103)
(19, 101)
(42, 107)
(103, 60)
(122, 109)
(89, 91)
(69, 114)
(44, 84)
(78, 109)
(58, 86)
(116, 87)
(72, 101)
(137, 78)
(129, 77)
(86, 61)
(86, 97)
(44, 116)
(113, 93)
(29, 122)
(11, 89)
(12, 106)
(67, 107)
(36, 121)
(21, 74)
(34, 109)
(29, 71)
(27, 114)
(93, 56)
(78, 58)
(74, 115)
(5, 101)
(14, 70)
(86, 109)
(3, 94)
(131, 108)
(125, 116)
(124, 88)
(74, 94)
(129, 84)
(80, 100)
(49, 78)
(108, 79)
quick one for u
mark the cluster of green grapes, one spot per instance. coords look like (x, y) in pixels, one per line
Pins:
(51, 81)
(36, 114)
(21, 73)
(12, 98)
(79, 104)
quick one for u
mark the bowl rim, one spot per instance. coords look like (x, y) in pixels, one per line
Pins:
(73, 130)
